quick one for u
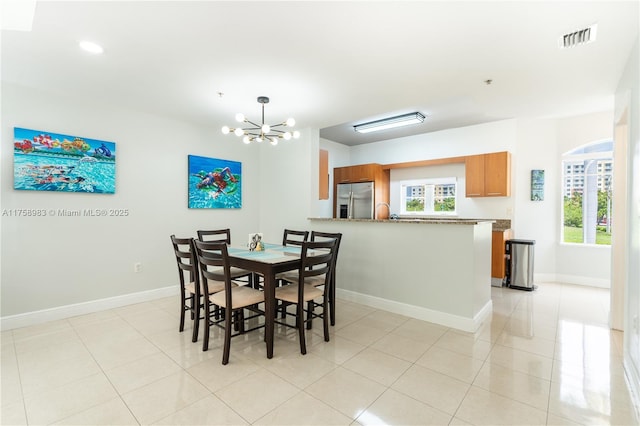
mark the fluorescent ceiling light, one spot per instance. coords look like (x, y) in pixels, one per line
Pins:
(390, 123)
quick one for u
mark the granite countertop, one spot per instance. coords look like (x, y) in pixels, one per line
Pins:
(498, 224)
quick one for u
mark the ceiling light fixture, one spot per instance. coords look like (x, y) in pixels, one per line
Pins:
(390, 123)
(261, 132)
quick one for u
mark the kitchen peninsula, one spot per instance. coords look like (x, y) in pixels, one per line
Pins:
(437, 270)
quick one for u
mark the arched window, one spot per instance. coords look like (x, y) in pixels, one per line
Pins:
(587, 174)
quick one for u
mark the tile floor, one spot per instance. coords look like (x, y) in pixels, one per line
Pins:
(545, 357)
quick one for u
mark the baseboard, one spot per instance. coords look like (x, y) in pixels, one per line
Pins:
(68, 311)
(585, 281)
(418, 312)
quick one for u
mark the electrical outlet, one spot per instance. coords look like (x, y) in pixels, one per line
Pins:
(137, 267)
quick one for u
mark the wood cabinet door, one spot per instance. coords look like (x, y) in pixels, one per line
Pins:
(497, 178)
(497, 254)
(364, 173)
(474, 175)
(342, 175)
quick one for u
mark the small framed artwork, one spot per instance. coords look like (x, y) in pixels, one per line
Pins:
(537, 185)
(214, 183)
(45, 161)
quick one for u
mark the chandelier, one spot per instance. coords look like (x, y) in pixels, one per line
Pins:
(262, 132)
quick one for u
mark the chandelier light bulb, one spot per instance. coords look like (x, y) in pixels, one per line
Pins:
(274, 141)
(296, 134)
(266, 128)
(290, 122)
(238, 132)
(225, 130)
(246, 140)
(259, 139)
(239, 117)
(286, 136)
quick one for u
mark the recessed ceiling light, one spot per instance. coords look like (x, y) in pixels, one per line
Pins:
(91, 47)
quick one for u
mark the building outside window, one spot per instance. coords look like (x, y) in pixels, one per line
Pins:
(428, 197)
(587, 191)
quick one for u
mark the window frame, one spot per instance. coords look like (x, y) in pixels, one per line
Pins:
(427, 182)
(568, 178)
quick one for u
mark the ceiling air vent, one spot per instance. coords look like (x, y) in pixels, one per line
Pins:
(583, 36)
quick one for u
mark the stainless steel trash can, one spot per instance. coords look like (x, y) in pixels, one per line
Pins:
(520, 264)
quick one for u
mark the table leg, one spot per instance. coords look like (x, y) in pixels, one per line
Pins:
(270, 311)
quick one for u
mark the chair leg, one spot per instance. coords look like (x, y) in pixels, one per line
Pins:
(196, 321)
(207, 326)
(309, 314)
(183, 303)
(227, 336)
(300, 321)
(325, 320)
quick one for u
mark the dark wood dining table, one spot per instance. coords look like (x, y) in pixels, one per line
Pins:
(273, 260)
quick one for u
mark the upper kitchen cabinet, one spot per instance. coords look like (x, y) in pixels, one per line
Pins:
(488, 175)
(355, 174)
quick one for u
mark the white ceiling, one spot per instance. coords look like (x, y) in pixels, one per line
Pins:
(329, 64)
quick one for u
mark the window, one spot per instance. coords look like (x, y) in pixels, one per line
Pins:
(428, 197)
(587, 180)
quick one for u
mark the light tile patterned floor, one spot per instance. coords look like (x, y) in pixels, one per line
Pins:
(546, 357)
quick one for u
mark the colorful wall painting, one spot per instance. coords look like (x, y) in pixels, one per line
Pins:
(214, 183)
(45, 161)
(537, 185)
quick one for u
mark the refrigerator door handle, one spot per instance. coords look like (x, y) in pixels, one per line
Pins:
(350, 211)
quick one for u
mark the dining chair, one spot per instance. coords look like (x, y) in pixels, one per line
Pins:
(217, 235)
(294, 238)
(320, 236)
(213, 261)
(190, 296)
(311, 282)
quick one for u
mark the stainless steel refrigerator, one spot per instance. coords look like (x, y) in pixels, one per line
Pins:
(355, 200)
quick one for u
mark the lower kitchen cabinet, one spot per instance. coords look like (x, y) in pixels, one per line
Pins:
(498, 239)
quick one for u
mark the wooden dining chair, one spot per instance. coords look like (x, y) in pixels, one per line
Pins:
(224, 235)
(294, 238)
(315, 268)
(320, 236)
(213, 261)
(189, 281)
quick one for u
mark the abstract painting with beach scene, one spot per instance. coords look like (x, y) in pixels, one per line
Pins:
(214, 183)
(45, 161)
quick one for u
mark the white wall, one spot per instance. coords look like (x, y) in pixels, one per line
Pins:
(628, 100)
(56, 261)
(339, 156)
(288, 174)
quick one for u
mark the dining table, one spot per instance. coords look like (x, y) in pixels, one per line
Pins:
(273, 260)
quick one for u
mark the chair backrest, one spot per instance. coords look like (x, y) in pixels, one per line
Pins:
(294, 238)
(213, 259)
(215, 235)
(318, 258)
(321, 236)
(186, 259)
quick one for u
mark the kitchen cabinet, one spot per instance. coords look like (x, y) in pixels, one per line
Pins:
(323, 175)
(355, 174)
(488, 175)
(364, 173)
(498, 240)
